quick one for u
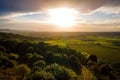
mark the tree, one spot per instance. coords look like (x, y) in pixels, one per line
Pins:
(32, 58)
(23, 71)
(24, 47)
(42, 75)
(35, 69)
(2, 49)
(40, 63)
(93, 58)
(75, 64)
(49, 57)
(3, 60)
(11, 64)
(60, 72)
(13, 56)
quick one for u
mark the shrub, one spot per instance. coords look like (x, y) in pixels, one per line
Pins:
(13, 56)
(39, 63)
(60, 72)
(42, 75)
(23, 71)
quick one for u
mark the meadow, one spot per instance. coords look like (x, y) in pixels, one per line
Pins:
(106, 46)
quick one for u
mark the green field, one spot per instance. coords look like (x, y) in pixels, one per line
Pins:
(106, 48)
(105, 53)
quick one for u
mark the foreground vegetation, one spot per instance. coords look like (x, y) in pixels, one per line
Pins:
(31, 58)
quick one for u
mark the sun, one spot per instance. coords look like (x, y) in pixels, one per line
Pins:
(62, 17)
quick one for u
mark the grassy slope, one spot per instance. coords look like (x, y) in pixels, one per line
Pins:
(103, 51)
(106, 53)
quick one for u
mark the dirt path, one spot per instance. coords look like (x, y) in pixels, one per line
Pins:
(86, 74)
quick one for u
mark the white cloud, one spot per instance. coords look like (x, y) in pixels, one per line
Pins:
(110, 10)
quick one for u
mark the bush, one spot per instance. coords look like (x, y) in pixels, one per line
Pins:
(39, 63)
(11, 63)
(35, 69)
(13, 56)
(42, 75)
(32, 58)
(75, 64)
(93, 58)
(60, 72)
(3, 60)
(23, 71)
(2, 49)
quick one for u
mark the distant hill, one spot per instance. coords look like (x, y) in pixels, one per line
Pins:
(70, 35)
(6, 30)
(15, 31)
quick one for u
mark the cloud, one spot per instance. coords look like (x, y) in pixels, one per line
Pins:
(18, 6)
(112, 3)
(4, 20)
(109, 10)
(22, 6)
(27, 14)
(111, 7)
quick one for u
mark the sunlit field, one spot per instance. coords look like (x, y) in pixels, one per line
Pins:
(104, 46)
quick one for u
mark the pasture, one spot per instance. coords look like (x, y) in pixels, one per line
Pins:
(106, 48)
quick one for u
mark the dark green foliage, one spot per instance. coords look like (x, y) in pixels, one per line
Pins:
(25, 47)
(116, 67)
(23, 71)
(3, 60)
(40, 47)
(93, 58)
(81, 57)
(49, 57)
(11, 64)
(42, 75)
(105, 71)
(2, 49)
(60, 72)
(39, 63)
(75, 64)
(35, 69)
(9, 45)
(32, 58)
(8, 60)
(13, 56)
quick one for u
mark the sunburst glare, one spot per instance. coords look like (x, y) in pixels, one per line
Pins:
(62, 17)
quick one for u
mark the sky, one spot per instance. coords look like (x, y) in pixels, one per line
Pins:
(92, 16)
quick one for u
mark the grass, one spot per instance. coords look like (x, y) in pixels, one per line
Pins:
(60, 43)
(100, 46)
(105, 53)
(63, 42)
